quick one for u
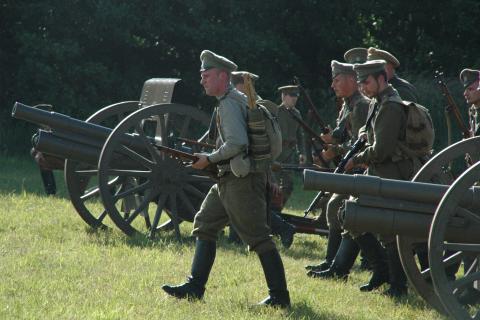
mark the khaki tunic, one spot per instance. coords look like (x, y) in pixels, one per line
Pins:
(352, 117)
(238, 201)
(382, 153)
(292, 135)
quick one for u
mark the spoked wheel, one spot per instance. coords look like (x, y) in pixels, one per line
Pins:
(456, 228)
(435, 171)
(152, 180)
(81, 179)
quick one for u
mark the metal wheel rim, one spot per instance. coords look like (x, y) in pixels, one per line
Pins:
(428, 172)
(447, 208)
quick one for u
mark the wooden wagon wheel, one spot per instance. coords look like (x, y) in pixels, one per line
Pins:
(453, 219)
(433, 171)
(81, 179)
(155, 181)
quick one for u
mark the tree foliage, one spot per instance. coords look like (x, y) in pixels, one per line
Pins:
(83, 55)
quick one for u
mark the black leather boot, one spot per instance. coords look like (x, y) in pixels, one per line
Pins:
(275, 275)
(283, 229)
(343, 262)
(397, 277)
(334, 239)
(376, 258)
(202, 263)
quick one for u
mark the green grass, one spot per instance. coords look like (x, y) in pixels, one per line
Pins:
(53, 266)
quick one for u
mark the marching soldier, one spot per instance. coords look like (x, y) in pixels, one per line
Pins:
(383, 155)
(405, 89)
(238, 200)
(351, 118)
(292, 135)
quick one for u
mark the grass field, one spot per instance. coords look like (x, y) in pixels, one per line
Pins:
(53, 266)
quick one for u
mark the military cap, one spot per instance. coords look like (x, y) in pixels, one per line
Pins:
(377, 54)
(237, 76)
(211, 60)
(363, 70)
(290, 89)
(356, 55)
(469, 76)
(341, 68)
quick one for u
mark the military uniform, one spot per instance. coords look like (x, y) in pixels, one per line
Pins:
(352, 117)
(292, 145)
(236, 199)
(404, 88)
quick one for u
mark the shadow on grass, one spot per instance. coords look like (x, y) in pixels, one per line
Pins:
(303, 311)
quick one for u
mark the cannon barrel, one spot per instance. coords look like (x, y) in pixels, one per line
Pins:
(387, 221)
(357, 185)
(72, 138)
(60, 122)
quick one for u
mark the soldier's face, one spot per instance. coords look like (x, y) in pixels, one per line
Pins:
(289, 100)
(369, 86)
(343, 85)
(214, 82)
(472, 93)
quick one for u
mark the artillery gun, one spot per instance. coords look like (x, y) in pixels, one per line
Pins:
(116, 165)
(435, 208)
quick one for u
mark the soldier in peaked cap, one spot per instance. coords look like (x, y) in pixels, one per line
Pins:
(292, 136)
(383, 155)
(237, 79)
(356, 55)
(342, 252)
(405, 89)
(239, 198)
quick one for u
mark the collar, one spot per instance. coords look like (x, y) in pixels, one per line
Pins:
(350, 101)
(229, 88)
(385, 93)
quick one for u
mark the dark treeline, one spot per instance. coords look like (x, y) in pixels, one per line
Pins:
(83, 55)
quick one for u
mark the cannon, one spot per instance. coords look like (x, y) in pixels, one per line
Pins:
(112, 157)
(116, 165)
(435, 208)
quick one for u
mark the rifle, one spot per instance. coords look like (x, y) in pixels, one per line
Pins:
(452, 107)
(312, 109)
(195, 142)
(211, 169)
(356, 147)
(312, 133)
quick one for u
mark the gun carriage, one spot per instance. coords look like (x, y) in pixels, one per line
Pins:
(119, 165)
(435, 209)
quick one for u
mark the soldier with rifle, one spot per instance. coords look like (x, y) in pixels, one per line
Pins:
(352, 117)
(384, 157)
(405, 89)
(239, 196)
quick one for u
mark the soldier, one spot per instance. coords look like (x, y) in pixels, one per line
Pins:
(292, 135)
(279, 226)
(470, 80)
(383, 155)
(238, 200)
(405, 89)
(352, 117)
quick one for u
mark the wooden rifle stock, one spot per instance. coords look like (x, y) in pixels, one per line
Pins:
(312, 109)
(452, 107)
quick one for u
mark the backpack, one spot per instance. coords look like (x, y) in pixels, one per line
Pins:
(419, 133)
(264, 135)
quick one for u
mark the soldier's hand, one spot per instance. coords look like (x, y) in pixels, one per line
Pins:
(327, 138)
(349, 166)
(202, 161)
(328, 154)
